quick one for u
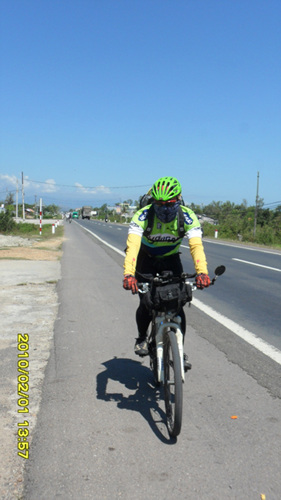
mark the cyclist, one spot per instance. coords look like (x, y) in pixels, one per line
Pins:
(159, 250)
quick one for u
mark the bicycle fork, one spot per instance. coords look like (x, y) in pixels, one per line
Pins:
(162, 325)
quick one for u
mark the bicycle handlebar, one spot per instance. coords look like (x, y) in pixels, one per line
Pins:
(144, 287)
(168, 277)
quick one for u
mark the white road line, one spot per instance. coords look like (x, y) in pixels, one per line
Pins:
(236, 245)
(259, 265)
(241, 332)
(104, 242)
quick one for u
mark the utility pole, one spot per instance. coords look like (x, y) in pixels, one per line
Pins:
(17, 200)
(22, 193)
(257, 201)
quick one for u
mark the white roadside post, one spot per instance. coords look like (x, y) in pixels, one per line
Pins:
(40, 209)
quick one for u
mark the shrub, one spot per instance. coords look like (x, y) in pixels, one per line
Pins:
(209, 229)
(265, 235)
(7, 222)
(26, 228)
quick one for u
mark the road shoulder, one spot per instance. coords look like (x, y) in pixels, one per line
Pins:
(29, 304)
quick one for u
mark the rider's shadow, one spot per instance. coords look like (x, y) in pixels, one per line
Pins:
(145, 400)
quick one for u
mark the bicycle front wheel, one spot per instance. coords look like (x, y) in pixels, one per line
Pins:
(172, 384)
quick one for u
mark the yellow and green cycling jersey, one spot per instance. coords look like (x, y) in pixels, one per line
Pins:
(164, 239)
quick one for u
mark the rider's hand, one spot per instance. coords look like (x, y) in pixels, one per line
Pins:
(202, 281)
(130, 283)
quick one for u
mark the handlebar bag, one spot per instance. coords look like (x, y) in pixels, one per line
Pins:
(170, 297)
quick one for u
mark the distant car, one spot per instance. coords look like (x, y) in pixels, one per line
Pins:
(75, 215)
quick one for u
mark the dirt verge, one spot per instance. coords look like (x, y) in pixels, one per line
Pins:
(30, 249)
(29, 271)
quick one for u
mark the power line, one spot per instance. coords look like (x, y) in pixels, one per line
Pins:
(273, 203)
(87, 187)
(8, 191)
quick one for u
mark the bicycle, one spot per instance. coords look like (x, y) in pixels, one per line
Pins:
(164, 295)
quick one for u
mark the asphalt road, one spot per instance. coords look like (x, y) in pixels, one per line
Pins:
(101, 430)
(250, 291)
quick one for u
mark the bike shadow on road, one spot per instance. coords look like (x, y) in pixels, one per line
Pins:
(145, 399)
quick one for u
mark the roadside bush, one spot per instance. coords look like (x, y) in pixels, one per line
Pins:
(209, 229)
(265, 235)
(7, 222)
(26, 228)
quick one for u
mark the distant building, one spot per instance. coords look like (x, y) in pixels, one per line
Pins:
(123, 209)
(203, 218)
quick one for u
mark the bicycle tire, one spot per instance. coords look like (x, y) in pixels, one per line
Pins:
(173, 392)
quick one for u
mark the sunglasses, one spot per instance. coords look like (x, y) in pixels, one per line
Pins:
(161, 203)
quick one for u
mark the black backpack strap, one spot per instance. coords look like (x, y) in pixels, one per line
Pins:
(181, 229)
(150, 220)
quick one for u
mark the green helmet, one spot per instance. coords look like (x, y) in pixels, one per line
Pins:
(166, 188)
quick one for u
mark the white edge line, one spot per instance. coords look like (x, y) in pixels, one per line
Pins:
(104, 242)
(241, 332)
(235, 245)
(258, 265)
(239, 246)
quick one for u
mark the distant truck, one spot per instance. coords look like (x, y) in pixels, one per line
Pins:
(86, 212)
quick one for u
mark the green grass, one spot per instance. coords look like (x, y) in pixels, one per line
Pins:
(26, 230)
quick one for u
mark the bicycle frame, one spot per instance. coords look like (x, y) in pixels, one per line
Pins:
(163, 322)
(165, 342)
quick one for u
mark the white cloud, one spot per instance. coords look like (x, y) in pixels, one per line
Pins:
(27, 183)
(81, 188)
(94, 190)
(102, 189)
(10, 179)
(50, 186)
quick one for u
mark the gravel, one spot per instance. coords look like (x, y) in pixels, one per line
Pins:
(28, 305)
(14, 241)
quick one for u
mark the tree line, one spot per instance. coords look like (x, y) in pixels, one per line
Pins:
(247, 223)
(233, 221)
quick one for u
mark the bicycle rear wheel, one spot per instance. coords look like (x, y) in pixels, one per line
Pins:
(172, 384)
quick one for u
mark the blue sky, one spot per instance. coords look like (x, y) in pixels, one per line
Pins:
(99, 98)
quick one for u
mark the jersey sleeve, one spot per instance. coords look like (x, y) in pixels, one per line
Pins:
(134, 239)
(132, 250)
(198, 255)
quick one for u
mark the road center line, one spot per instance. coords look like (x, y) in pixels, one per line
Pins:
(259, 265)
(241, 332)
